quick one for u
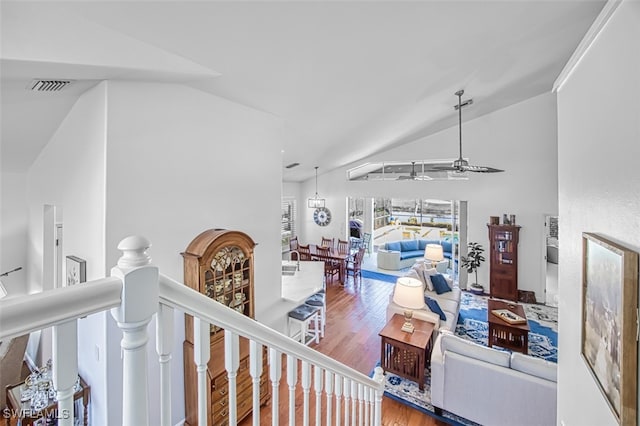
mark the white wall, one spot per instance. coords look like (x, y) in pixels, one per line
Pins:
(520, 139)
(13, 231)
(180, 161)
(599, 147)
(69, 173)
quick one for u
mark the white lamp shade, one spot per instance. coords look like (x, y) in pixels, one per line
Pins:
(409, 293)
(433, 252)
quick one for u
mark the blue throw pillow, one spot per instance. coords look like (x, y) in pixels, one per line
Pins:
(439, 284)
(435, 308)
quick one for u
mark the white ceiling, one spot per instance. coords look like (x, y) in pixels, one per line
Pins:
(349, 79)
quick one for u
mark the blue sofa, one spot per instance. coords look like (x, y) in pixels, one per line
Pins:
(401, 254)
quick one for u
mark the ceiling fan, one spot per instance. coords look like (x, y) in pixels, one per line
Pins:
(414, 175)
(461, 165)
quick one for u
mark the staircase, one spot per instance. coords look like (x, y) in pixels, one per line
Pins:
(134, 293)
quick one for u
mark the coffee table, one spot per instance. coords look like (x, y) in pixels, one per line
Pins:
(509, 336)
(406, 354)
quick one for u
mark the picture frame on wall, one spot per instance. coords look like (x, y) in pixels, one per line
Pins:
(76, 270)
(609, 309)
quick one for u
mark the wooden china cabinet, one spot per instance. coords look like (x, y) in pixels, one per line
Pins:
(503, 261)
(219, 264)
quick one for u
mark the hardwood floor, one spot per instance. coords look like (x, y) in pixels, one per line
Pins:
(355, 315)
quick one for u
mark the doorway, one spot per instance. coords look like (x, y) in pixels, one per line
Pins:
(552, 245)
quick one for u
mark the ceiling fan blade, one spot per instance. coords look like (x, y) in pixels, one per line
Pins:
(441, 168)
(480, 169)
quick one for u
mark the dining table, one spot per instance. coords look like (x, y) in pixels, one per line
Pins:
(334, 255)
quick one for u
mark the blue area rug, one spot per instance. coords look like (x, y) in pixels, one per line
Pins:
(472, 325)
(379, 277)
(407, 392)
(543, 323)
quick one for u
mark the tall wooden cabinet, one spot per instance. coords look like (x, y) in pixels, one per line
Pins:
(503, 261)
(219, 264)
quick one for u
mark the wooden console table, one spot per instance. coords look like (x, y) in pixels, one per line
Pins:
(514, 337)
(406, 354)
(29, 416)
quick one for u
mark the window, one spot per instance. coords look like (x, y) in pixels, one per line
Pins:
(288, 225)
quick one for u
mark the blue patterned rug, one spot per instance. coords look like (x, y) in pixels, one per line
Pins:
(543, 324)
(472, 325)
(407, 392)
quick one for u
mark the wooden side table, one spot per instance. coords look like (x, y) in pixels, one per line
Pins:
(29, 416)
(406, 354)
(514, 337)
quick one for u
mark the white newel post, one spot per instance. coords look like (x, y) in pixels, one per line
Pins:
(378, 376)
(139, 303)
(65, 368)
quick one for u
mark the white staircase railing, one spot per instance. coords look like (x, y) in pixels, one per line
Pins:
(134, 293)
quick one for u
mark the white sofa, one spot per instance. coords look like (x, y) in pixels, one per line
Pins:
(490, 386)
(449, 302)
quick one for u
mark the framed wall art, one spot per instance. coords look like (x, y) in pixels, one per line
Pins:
(609, 310)
(76, 270)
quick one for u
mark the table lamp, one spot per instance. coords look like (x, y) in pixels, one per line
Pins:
(434, 254)
(408, 294)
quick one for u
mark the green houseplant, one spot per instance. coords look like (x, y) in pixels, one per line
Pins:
(472, 262)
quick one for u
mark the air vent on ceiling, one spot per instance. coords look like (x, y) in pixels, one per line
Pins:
(49, 85)
(292, 165)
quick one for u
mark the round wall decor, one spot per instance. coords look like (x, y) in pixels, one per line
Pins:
(322, 216)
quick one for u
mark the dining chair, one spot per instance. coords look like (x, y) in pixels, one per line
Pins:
(343, 246)
(305, 252)
(366, 242)
(354, 264)
(331, 266)
(293, 248)
(327, 242)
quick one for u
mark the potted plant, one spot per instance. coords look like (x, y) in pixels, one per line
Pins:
(472, 262)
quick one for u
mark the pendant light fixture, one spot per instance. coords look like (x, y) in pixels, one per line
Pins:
(315, 202)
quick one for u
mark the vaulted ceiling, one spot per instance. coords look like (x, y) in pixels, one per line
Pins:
(348, 78)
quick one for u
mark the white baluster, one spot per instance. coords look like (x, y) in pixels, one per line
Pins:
(378, 376)
(231, 364)
(292, 380)
(328, 380)
(347, 393)
(367, 406)
(306, 386)
(372, 398)
(360, 404)
(275, 373)
(164, 344)
(354, 401)
(338, 383)
(65, 368)
(139, 303)
(201, 355)
(317, 386)
(255, 369)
